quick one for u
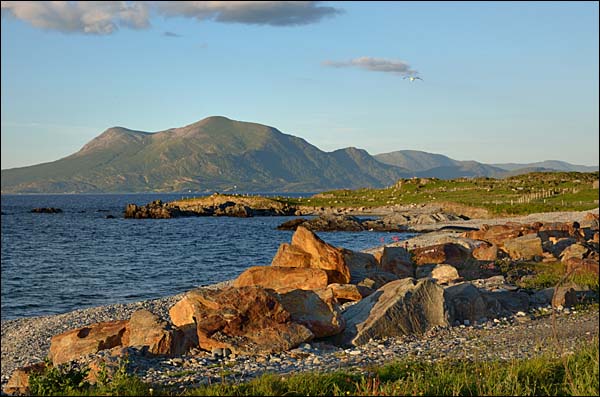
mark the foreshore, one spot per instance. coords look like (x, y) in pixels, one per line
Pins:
(27, 340)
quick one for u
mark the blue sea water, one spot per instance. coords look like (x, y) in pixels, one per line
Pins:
(55, 263)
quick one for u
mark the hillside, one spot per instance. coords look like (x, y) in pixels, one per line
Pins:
(215, 153)
(432, 165)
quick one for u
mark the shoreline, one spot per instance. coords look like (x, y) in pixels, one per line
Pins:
(27, 340)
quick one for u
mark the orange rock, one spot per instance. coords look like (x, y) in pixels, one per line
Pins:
(322, 255)
(582, 265)
(283, 278)
(316, 310)
(248, 320)
(291, 256)
(156, 336)
(91, 339)
(18, 383)
(349, 292)
(449, 253)
(486, 252)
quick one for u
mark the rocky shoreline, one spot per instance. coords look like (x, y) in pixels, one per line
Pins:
(512, 335)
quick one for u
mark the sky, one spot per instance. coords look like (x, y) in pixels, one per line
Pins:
(499, 81)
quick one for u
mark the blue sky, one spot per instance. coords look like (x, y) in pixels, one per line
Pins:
(502, 82)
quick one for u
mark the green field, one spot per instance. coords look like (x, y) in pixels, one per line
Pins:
(518, 195)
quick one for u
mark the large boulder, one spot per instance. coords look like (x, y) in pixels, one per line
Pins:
(449, 253)
(558, 230)
(283, 278)
(247, 320)
(85, 340)
(525, 247)
(316, 310)
(400, 307)
(322, 256)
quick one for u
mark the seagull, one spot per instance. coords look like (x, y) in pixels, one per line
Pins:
(413, 78)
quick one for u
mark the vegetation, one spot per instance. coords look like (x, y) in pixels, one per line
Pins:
(544, 375)
(518, 195)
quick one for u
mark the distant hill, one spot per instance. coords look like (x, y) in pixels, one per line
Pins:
(212, 154)
(554, 165)
(425, 164)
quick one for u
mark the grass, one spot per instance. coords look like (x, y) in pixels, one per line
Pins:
(545, 275)
(543, 375)
(519, 195)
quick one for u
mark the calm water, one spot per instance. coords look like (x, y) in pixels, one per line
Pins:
(54, 263)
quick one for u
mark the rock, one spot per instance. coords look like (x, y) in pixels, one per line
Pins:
(154, 336)
(440, 273)
(283, 278)
(319, 255)
(291, 256)
(247, 320)
(466, 302)
(558, 230)
(557, 245)
(349, 292)
(526, 247)
(449, 253)
(18, 383)
(578, 251)
(486, 252)
(330, 222)
(316, 311)
(400, 307)
(571, 294)
(91, 339)
(155, 210)
(397, 260)
(497, 234)
(47, 210)
(292, 225)
(585, 265)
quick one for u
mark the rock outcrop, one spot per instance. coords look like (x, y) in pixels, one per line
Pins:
(308, 250)
(249, 320)
(400, 307)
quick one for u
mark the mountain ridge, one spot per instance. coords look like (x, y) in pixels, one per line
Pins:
(217, 153)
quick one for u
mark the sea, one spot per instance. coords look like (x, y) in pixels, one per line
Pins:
(55, 263)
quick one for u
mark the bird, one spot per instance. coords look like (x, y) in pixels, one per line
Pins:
(413, 78)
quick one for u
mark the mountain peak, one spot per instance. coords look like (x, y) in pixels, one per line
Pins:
(113, 136)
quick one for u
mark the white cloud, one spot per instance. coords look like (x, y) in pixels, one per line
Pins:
(105, 17)
(376, 65)
(93, 17)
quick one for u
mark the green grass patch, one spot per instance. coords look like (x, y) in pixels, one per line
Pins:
(543, 375)
(518, 195)
(537, 376)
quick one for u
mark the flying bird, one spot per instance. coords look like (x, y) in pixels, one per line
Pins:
(413, 78)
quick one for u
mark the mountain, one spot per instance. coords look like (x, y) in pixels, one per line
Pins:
(215, 153)
(548, 164)
(428, 165)
(423, 164)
